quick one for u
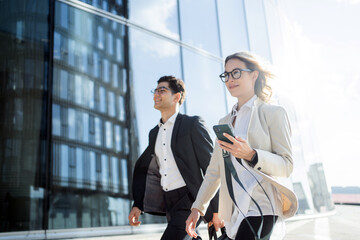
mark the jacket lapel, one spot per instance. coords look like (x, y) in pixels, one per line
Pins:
(153, 136)
(176, 131)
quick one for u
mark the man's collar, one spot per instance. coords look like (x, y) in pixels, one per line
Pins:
(172, 119)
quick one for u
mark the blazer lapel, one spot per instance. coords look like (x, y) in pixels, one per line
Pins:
(153, 135)
(176, 131)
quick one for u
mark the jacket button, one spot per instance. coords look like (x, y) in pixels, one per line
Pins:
(259, 168)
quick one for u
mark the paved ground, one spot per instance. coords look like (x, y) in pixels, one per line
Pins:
(344, 224)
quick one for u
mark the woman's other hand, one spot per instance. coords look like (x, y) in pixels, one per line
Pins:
(216, 221)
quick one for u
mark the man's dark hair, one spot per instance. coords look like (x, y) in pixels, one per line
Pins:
(176, 85)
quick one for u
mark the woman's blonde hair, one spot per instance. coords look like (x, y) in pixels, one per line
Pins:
(262, 88)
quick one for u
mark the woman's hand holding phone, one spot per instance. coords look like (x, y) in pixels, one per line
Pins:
(237, 146)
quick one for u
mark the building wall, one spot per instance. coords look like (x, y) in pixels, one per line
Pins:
(76, 107)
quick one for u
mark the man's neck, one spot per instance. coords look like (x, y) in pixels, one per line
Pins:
(167, 113)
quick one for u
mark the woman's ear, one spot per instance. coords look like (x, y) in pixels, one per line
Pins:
(255, 75)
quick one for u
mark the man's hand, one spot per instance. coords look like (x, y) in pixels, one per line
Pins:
(191, 222)
(218, 223)
(134, 217)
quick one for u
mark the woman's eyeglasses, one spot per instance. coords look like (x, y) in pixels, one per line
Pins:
(236, 74)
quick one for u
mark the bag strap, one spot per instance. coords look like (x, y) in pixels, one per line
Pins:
(231, 169)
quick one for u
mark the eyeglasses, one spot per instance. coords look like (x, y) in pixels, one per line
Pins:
(236, 74)
(160, 90)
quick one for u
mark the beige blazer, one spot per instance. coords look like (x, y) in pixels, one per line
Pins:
(269, 134)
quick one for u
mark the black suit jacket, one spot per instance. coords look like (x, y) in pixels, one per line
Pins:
(192, 149)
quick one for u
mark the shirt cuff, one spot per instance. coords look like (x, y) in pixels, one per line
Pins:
(254, 160)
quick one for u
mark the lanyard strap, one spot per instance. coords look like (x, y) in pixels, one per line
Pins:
(230, 168)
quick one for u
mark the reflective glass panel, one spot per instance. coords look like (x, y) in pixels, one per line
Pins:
(151, 58)
(24, 61)
(205, 91)
(157, 15)
(233, 28)
(257, 28)
(113, 6)
(88, 81)
(199, 25)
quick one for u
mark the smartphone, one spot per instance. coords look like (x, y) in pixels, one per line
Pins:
(223, 128)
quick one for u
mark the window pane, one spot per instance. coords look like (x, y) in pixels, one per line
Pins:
(98, 131)
(57, 45)
(151, 58)
(117, 138)
(106, 77)
(64, 165)
(72, 123)
(111, 110)
(92, 170)
(88, 93)
(103, 100)
(124, 176)
(157, 15)
(257, 28)
(199, 25)
(56, 124)
(202, 82)
(121, 108)
(63, 84)
(79, 168)
(108, 134)
(233, 28)
(115, 174)
(78, 85)
(85, 124)
(105, 171)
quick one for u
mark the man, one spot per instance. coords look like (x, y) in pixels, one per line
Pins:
(168, 174)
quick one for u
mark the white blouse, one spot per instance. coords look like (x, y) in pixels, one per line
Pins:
(246, 206)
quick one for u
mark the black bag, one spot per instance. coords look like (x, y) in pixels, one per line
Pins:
(212, 234)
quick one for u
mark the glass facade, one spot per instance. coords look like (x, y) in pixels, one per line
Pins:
(76, 107)
(24, 108)
(89, 184)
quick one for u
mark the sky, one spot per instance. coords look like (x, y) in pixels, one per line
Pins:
(327, 83)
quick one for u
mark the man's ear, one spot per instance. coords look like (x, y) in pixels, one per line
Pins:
(177, 97)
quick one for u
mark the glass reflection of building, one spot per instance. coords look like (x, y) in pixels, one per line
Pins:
(75, 105)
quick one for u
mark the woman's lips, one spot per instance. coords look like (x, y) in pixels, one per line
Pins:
(233, 86)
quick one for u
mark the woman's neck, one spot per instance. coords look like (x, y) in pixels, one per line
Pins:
(243, 100)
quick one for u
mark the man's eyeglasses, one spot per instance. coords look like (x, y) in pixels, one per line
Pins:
(160, 90)
(236, 74)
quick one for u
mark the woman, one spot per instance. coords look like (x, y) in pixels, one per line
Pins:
(260, 152)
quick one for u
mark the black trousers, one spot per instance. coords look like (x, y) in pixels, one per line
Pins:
(245, 233)
(178, 203)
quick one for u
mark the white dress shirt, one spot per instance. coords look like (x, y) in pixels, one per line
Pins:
(246, 206)
(170, 175)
